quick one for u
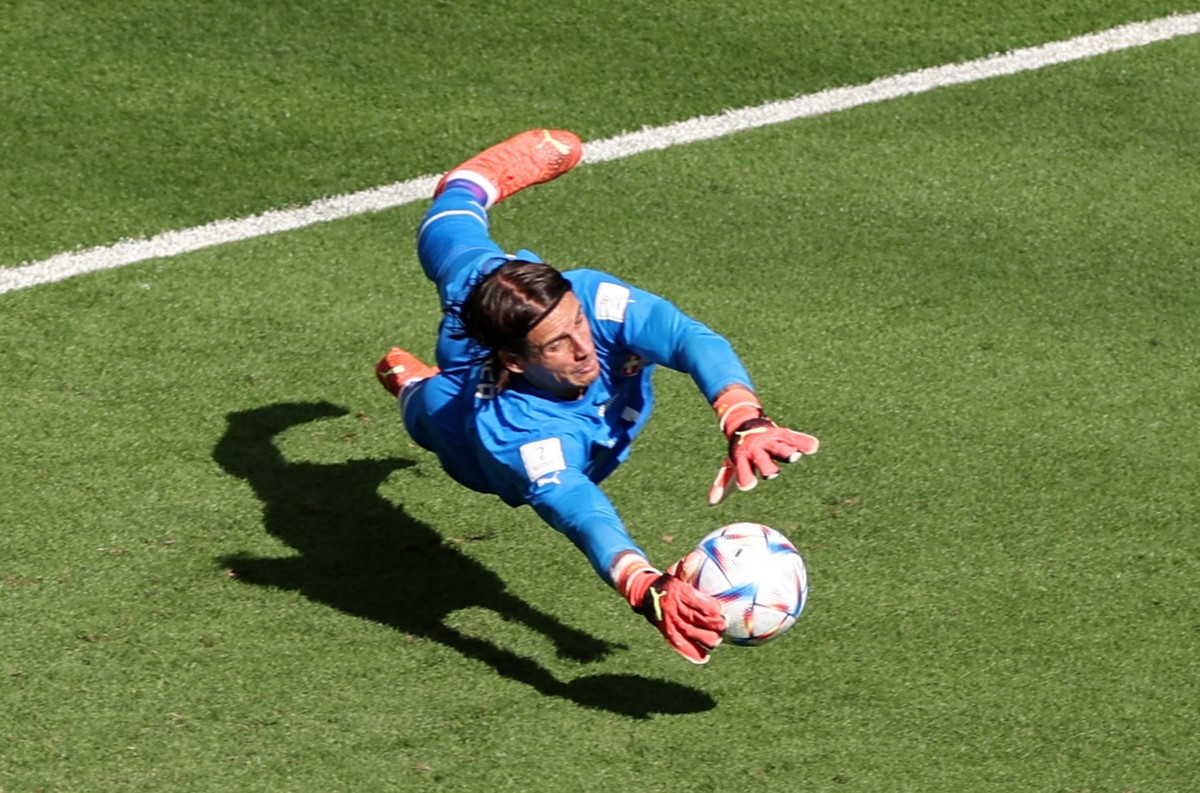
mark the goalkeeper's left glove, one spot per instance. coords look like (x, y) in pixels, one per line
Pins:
(756, 443)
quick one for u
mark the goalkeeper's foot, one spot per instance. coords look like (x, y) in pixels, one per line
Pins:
(399, 368)
(532, 157)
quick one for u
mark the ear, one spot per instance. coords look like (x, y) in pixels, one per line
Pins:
(511, 361)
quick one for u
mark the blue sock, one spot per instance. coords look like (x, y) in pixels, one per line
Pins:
(466, 184)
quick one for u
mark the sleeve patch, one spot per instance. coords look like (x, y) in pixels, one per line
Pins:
(611, 300)
(543, 457)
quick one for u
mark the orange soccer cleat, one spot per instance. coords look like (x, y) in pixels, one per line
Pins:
(532, 157)
(400, 367)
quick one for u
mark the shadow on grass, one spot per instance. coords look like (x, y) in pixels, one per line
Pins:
(363, 555)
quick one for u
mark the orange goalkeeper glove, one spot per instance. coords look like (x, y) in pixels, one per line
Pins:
(688, 619)
(756, 443)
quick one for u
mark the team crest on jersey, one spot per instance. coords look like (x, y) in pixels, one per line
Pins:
(632, 365)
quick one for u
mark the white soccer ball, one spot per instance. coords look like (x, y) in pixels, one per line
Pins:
(756, 573)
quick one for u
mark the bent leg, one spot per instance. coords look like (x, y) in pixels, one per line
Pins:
(456, 250)
(454, 246)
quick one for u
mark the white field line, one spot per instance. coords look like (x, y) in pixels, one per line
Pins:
(172, 243)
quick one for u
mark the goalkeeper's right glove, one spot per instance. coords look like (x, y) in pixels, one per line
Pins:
(688, 619)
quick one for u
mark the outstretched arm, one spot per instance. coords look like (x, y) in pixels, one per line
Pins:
(660, 332)
(689, 620)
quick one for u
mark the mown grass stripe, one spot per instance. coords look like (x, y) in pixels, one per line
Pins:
(172, 243)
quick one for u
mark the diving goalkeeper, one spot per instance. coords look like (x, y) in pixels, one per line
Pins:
(543, 380)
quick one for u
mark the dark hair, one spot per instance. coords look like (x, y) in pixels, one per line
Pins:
(506, 304)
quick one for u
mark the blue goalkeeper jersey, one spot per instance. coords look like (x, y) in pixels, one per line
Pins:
(530, 447)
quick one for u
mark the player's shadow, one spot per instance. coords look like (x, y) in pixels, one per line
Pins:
(363, 555)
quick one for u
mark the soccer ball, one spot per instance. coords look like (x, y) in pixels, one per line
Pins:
(756, 573)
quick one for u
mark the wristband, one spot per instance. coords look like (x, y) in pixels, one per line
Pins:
(735, 406)
(632, 575)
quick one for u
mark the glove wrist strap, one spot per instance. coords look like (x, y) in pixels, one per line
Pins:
(632, 575)
(735, 406)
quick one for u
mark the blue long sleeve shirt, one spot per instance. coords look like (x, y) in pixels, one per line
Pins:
(528, 446)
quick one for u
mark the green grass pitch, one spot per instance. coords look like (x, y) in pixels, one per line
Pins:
(223, 565)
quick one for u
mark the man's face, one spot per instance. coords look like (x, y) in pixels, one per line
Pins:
(561, 357)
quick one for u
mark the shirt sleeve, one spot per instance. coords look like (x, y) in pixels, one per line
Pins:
(579, 509)
(546, 471)
(657, 330)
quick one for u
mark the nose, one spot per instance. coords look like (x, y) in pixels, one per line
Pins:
(583, 347)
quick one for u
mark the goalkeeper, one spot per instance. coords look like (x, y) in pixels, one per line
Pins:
(543, 380)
